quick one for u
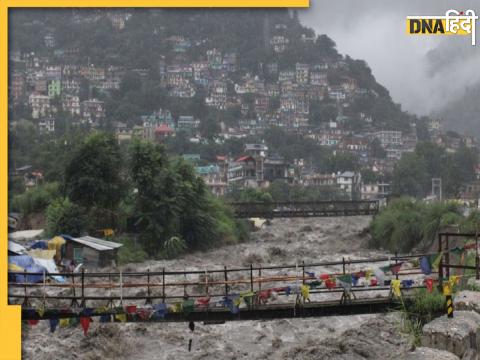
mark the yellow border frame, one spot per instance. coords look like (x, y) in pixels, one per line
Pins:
(10, 316)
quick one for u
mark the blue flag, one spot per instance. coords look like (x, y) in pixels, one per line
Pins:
(425, 265)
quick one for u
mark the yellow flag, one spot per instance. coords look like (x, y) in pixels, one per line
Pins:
(305, 291)
(101, 310)
(177, 307)
(453, 280)
(121, 317)
(447, 290)
(368, 274)
(64, 322)
(396, 288)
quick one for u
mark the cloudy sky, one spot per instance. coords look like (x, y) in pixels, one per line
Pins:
(422, 73)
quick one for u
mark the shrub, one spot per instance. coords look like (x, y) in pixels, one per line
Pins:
(36, 199)
(173, 247)
(64, 217)
(406, 224)
(130, 252)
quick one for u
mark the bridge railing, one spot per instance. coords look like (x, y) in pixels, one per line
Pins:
(166, 285)
(305, 208)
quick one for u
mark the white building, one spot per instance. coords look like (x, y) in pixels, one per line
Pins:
(40, 105)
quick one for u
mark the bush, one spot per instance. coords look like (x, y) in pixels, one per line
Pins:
(64, 217)
(130, 252)
(36, 199)
(406, 224)
(173, 247)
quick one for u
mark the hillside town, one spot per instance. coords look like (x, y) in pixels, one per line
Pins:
(317, 101)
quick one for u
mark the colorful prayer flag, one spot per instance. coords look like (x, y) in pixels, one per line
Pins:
(345, 281)
(435, 260)
(395, 268)
(429, 284)
(121, 317)
(53, 325)
(85, 322)
(187, 306)
(305, 291)
(425, 265)
(395, 286)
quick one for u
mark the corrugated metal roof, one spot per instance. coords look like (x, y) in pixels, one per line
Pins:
(95, 243)
(25, 235)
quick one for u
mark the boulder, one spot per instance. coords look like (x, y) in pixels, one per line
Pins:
(459, 335)
(424, 353)
(467, 300)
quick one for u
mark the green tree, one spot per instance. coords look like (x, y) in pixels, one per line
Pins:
(377, 150)
(209, 127)
(92, 175)
(410, 176)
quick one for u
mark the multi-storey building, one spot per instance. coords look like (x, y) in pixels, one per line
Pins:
(279, 43)
(71, 104)
(40, 105)
(54, 89)
(92, 111)
(301, 73)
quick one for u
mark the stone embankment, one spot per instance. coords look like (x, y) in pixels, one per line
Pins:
(453, 338)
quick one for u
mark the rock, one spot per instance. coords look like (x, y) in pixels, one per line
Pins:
(473, 284)
(306, 228)
(467, 300)
(425, 353)
(378, 338)
(459, 335)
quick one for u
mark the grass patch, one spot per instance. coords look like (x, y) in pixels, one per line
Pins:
(423, 308)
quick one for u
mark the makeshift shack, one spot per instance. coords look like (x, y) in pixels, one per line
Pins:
(40, 266)
(15, 249)
(25, 235)
(90, 250)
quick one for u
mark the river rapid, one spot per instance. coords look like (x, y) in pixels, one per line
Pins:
(284, 241)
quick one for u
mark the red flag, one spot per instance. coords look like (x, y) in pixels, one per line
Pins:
(32, 322)
(429, 285)
(264, 295)
(131, 309)
(203, 301)
(144, 314)
(395, 268)
(373, 282)
(85, 322)
(330, 283)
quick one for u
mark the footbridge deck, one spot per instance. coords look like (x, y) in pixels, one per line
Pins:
(342, 287)
(305, 209)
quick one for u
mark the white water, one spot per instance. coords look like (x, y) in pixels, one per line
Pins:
(333, 337)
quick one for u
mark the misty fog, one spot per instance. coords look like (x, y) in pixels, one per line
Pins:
(422, 73)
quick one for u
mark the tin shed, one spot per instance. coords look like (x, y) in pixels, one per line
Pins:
(90, 250)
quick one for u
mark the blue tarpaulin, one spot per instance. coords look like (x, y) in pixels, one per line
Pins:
(28, 264)
(40, 245)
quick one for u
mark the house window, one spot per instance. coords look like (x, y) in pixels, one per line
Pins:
(78, 255)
